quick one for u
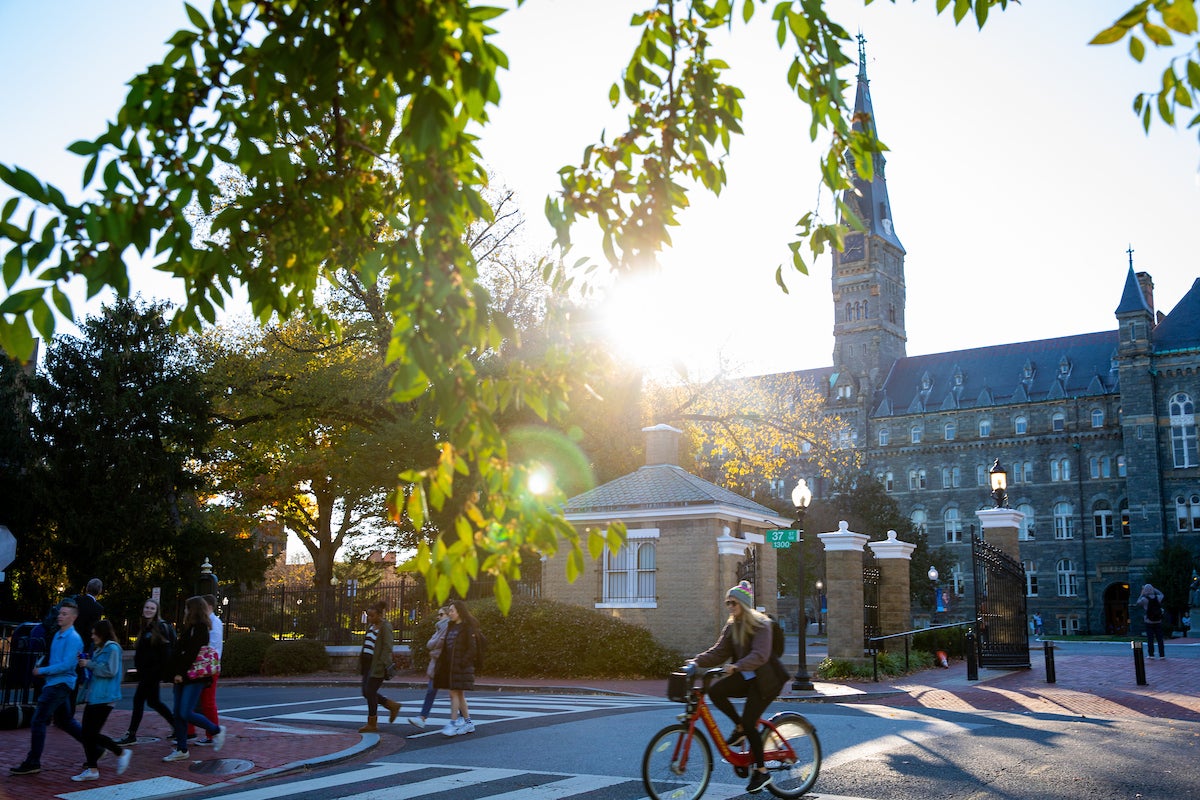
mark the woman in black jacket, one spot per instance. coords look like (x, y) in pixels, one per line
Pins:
(456, 667)
(151, 657)
(196, 626)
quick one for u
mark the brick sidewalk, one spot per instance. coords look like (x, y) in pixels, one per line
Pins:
(252, 750)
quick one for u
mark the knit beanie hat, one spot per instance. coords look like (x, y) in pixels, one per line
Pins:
(743, 593)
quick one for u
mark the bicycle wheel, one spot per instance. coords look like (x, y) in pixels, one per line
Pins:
(791, 777)
(668, 772)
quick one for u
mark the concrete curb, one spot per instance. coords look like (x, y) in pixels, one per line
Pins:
(366, 742)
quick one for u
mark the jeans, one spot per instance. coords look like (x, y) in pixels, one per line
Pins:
(146, 694)
(1154, 632)
(53, 703)
(187, 695)
(95, 742)
(736, 685)
(430, 693)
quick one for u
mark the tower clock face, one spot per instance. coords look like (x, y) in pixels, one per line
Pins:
(853, 247)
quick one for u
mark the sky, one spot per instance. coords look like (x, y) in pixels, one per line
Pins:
(1017, 172)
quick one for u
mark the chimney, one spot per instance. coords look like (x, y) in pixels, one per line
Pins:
(662, 445)
(1146, 284)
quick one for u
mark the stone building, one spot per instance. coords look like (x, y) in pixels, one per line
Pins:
(687, 542)
(1097, 431)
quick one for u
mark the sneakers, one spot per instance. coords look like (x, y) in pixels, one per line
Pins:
(735, 738)
(451, 729)
(123, 761)
(218, 739)
(127, 739)
(87, 775)
(757, 781)
(25, 768)
(417, 722)
(466, 727)
(177, 755)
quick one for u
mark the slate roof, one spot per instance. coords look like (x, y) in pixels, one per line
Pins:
(1180, 330)
(1069, 366)
(1132, 299)
(660, 486)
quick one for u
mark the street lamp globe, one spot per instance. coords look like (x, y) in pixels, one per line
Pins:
(801, 495)
(999, 481)
(933, 574)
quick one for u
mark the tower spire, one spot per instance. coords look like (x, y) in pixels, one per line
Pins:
(862, 58)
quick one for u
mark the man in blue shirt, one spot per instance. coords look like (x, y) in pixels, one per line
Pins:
(54, 701)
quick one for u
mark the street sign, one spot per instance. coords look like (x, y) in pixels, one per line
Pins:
(781, 538)
(8, 547)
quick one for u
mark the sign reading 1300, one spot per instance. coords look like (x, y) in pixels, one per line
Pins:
(781, 537)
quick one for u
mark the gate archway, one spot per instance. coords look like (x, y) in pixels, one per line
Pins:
(1116, 608)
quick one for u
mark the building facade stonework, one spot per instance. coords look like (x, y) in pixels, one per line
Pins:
(1097, 431)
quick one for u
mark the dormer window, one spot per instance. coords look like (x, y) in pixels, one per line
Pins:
(958, 377)
(1027, 371)
(926, 382)
(1064, 367)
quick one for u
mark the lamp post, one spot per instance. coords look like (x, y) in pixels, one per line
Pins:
(801, 497)
(820, 619)
(933, 579)
(999, 481)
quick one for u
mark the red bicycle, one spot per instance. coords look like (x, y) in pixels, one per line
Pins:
(678, 761)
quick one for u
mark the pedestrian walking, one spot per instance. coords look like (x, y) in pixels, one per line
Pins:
(152, 660)
(1038, 629)
(90, 611)
(102, 689)
(435, 645)
(752, 673)
(1151, 602)
(374, 660)
(54, 702)
(456, 666)
(191, 674)
(208, 698)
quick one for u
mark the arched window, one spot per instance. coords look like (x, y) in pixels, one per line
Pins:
(885, 436)
(866, 309)
(1058, 422)
(1025, 531)
(920, 520)
(950, 430)
(849, 312)
(981, 475)
(1021, 426)
(1015, 475)
(985, 427)
(953, 526)
(1097, 418)
(1187, 512)
(857, 311)
(630, 573)
(956, 477)
(1064, 521)
(1102, 519)
(1030, 578)
(1068, 580)
(1060, 469)
(1183, 430)
(1028, 472)
(915, 434)
(889, 481)
(1120, 466)
(912, 480)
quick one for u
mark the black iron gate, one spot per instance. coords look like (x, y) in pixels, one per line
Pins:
(871, 625)
(1002, 633)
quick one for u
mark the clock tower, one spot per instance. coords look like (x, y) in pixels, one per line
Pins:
(868, 276)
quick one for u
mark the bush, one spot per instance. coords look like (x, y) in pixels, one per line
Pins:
(547, 639)
(889, 664)
(296, 657)
(243, 654)
(952, 640)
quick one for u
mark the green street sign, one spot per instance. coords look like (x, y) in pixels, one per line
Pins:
(781, 537)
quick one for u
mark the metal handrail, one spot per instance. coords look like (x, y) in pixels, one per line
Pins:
(907, 639)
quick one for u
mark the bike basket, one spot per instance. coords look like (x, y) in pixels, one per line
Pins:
(679, 687)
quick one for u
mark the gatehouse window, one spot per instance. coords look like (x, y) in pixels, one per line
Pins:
(630, 573)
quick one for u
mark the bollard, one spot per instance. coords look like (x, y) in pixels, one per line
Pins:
(1139, 663)
(972, 657)
(1048, 649)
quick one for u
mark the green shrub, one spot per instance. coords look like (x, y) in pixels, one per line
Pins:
(888, 664)
(547, 639)
(951, 640)
(243, 654)
(296, 657)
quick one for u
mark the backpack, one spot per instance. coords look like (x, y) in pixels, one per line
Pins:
(1154, 609)
(480, 651)
(777, 638)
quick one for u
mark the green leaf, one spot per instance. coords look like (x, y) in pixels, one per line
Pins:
(196, 17)
(1160, 36)
(1110, 35)
(503, 594)
(83, 148)
(1136, 49)
(1181, 16)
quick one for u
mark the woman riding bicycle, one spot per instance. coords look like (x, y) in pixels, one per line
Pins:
(745, 641)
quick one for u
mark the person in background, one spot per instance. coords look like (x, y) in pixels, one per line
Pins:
(1151, 602)
(745, 642)
(456, 666)
(373, 660)
(90, 611)
(54, 702)
(434, 645)
(187, 689)
(151, 659)
(101, 691)
(208, 698)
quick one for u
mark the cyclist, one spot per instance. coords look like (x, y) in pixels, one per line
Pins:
(752, 673)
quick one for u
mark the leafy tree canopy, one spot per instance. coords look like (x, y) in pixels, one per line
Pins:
(352, 126)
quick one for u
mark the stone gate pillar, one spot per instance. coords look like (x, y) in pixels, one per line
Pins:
(999, 527)
(844, 590)
(895, 603)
